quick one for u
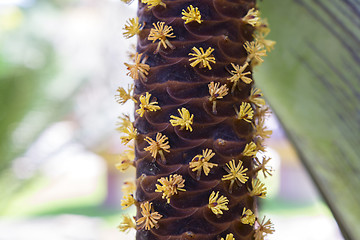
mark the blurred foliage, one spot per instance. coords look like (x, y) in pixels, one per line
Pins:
(28, 66)
(311, 81)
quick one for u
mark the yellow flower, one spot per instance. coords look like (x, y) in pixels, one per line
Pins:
(263, 27)
(126, 224)
(261, 130)
(153, 3)
(248, 217)
(267, 44)
(128, 187)
(237, 74)
(146, 105)
(245, 112)
(258, 188)
(160, 33)
(264, 229)
(255, 97)
(250, 150)
(149, 218)
(171, 186)
(132, 27)
(124, 122)
(216, 92)
(192, 14)
(124, 96)
(252, 17)
(229, 236)
(138, 68)
(235, 174)
(217, 205)
(201, 162)
(261, 166)
(255, 51)
(204, 58)
(158, 146)
(127, 160)
(130, 134)
(184, 121)
(128, 201)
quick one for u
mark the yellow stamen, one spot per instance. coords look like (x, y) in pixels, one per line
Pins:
(124, 96)
(216, 92)
(184, 121)
(235, 174)
(201, 162)
(217, 205)
(252, 17)
(158, 146)
(248, 217)
(126, 224)
(149, 218)
(160, 33)
(237, 74)
(192, 14)
(204, 58)
(139, 68)
(146, 105)
(170, 186)
(258, 188)
(250, 150)
(245, 112)
(132, 27)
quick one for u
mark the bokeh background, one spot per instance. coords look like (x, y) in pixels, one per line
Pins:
(61, 62)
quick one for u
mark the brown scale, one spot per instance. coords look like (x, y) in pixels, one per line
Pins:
(174, 84)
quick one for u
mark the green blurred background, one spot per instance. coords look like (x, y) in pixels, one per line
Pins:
(61, 62)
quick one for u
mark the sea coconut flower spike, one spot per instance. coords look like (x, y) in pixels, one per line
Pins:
(160, 33)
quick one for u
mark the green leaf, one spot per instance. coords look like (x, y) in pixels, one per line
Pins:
(312, 82)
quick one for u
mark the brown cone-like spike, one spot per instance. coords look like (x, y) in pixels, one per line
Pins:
(219, 123)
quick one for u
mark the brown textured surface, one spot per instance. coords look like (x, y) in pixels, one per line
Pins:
(175, 84)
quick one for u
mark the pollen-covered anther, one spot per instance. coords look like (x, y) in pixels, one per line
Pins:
(252, 17)
(249, 150)
(153, 3)
(170, 186)
(236, 173)
(160, 33)
(216, 92)
(248, 217)
(267, 44)
(245, 112)
(139, 68)
(263, 229)
(128, 201)
(184, 121)
(128, 187)
(191, 14)
(149, 217)
(160, 145)
(146, 105)
(201, 163)
(126, 224)
(255, 52)
(262, 166)
(229, 236)
(123, 96)
(132, 27)
(258, 189)
(130, 133)
(238, 74)
(202, 58)
(217, 204)
(256, 97)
